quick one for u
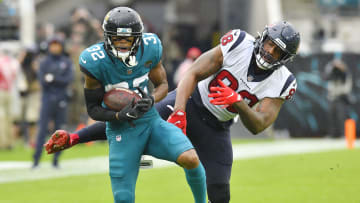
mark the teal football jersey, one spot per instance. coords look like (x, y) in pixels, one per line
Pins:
(111, 72)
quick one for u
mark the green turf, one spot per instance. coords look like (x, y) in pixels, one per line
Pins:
(19, 153)
(249, 140)
(94, 188)
(151, 187)
(319, 177)
(328, 177)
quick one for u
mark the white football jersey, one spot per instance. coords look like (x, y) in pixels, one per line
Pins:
(237, 48)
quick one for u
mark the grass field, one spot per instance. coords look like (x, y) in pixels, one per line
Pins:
(332, 176)
(80, 151)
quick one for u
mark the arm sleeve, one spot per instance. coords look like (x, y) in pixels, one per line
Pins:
(92, 132)
(93, 98)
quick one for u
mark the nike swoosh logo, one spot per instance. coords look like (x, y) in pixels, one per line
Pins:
(130, 116)
(177, 122)
(82, 60)
(170, 107)
(232, 93)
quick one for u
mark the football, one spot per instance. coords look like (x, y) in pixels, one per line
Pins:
(117, 98)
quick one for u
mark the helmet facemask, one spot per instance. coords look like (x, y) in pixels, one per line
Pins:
(127, 57)
(264, 59)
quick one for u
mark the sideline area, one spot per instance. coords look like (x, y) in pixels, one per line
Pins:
(14, 171)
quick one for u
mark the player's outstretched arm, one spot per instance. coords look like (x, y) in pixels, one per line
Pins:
(61, 139)
(207, 64)
(204, 66)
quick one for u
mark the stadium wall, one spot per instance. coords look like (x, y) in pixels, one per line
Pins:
(307, 114)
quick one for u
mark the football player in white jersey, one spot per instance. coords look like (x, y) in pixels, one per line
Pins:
(227, 81)
(224, 82)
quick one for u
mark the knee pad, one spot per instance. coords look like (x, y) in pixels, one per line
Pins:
(218, 193)
(123, 196)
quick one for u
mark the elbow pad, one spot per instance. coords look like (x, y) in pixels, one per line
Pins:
(94, 98)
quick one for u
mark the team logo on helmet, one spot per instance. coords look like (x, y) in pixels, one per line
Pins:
(123, 31)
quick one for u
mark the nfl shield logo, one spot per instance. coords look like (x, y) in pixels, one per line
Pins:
(118, 138)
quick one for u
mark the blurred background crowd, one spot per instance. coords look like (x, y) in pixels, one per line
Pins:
(35, 34)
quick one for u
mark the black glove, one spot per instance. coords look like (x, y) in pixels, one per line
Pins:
(146, 101)
(130, 112)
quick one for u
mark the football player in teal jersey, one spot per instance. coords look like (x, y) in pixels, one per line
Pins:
(129, 58)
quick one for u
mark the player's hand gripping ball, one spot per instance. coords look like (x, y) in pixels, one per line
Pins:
(117, 98)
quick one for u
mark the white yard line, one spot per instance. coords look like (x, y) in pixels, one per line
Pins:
(291, 146)
(13, 171)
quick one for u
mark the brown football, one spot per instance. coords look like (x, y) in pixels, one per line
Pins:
(117, 98)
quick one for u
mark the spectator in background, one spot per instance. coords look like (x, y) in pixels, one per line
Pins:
(55, 75)
(9, 68)
(30, 96)
(318, 36)
(173, 53)
(84, 27)
(43, 31)
(84, 31)
(192, 54)
(339, 94)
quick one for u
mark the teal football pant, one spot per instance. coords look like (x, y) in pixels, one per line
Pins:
(155, 137)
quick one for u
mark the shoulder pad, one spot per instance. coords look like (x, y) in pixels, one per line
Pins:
(231, 40)
(151, 39)
(92, 55)
(153, 47)
(91, 58)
